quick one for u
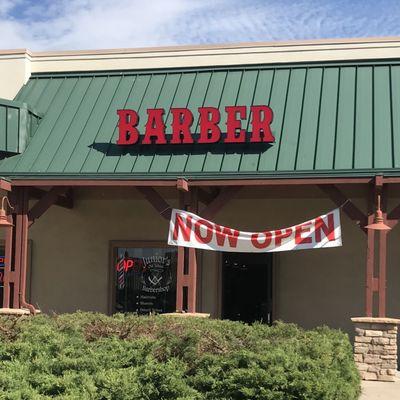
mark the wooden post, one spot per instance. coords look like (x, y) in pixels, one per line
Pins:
(186, 277)
(16, 254)
(371, 281)
(9, 275)
(376, 283)
(23, 249)
(383, 257)
(369, 278)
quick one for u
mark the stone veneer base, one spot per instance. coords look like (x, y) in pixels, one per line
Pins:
(375, 348)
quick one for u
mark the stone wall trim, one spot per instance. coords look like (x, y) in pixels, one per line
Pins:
(375, 348)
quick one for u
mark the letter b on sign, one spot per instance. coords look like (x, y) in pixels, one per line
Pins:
(128, 120)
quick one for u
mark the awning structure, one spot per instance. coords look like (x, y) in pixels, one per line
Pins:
(329, 120)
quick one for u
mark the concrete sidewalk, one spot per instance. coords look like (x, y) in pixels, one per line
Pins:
(381, 390)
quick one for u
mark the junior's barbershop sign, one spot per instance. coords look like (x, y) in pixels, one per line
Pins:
(189, 230)
(210, 129)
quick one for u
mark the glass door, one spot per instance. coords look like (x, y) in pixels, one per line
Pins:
(247, 287)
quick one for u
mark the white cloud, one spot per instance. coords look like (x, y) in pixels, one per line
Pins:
(90, 24)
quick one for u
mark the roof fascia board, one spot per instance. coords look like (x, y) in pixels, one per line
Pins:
(216, 55)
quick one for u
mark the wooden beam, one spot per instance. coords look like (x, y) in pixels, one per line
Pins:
(279, 181)
(65, 201)
(349, 208)
(5, 185)
(155, 199)
(225, 195)
(206, 197)
(70, 182)
(238, 181)
(182, 184)
(42, 205)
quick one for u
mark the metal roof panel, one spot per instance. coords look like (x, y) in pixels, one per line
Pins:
(327, 119)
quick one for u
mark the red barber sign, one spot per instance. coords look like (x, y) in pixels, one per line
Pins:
(210, 129)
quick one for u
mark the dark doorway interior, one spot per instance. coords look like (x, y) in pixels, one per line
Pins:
(247, 287)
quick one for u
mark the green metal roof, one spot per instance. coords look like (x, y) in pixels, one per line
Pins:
(328, 120)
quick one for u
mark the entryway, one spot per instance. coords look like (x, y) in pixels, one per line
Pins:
(247, 287)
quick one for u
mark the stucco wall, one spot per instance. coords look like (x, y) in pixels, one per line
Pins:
(70, 254)
(17, 65)
(15, 70)
(70, 248)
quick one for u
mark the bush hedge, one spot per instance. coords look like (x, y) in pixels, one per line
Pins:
(93, 356)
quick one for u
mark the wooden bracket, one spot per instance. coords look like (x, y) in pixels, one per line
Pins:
(226, 194)
(349, 208)
(155, 199)
(5, 185)
(393, 216)
(206, 197)
(48, 199)
(65, 201)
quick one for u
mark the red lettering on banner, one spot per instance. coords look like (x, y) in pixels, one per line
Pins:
(261, 124)
(155, 127)
(209, 129)
(261, 245)
(128, 133)
(299, 230)
(329, 230)
(209, 231)
(233, 124)
(280, 235)
(182, 120)
(222, 233)
(185, 226)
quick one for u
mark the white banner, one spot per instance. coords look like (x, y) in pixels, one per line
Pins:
(189, 230)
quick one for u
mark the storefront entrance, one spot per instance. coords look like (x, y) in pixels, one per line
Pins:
(247, 287)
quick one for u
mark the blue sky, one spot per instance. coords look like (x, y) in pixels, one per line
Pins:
(94, 24)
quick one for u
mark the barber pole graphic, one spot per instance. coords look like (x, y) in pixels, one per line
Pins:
(123, 266)
(120, 275)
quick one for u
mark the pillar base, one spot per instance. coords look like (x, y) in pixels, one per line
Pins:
(187, 314)
(16, 311)
(375, 348)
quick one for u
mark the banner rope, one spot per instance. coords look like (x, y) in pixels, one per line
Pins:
(347, 201)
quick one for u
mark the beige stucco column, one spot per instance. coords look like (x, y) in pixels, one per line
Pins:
(375, 348)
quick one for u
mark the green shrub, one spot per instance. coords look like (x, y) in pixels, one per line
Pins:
(92, 356)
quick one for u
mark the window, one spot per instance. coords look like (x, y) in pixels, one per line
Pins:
(144, 277)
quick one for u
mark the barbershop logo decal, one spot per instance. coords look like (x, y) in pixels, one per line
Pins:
(157, 274)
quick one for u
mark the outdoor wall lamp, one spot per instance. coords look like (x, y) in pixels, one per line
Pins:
(378, 224)
(4, 222)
